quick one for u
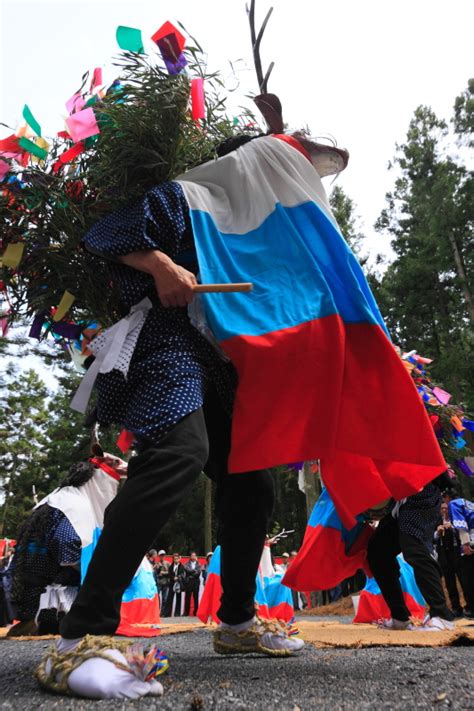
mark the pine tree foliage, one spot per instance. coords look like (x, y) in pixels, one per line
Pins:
(344, 210)
(23, 443)
(426, 293)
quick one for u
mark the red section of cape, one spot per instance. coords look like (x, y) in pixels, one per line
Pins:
(361, 414)
(322, 560)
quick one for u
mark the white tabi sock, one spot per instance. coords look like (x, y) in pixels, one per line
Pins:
(98, 678)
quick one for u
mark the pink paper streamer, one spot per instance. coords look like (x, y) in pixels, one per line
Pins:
(197, 99)
(442, 395)
(4, 326)
(82, 125)
(4, 168)
(75, 103)
(96, 79)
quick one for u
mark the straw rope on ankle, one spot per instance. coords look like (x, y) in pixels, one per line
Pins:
(64, 663)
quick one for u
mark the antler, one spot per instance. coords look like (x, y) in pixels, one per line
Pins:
(96, 448)
(256, 40)
(268, 104)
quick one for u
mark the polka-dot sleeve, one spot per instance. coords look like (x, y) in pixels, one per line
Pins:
(65, 544)
(160, 220)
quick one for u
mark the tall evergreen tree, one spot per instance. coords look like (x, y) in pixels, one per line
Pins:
(424, 291)
(344, 211)
(23, 441)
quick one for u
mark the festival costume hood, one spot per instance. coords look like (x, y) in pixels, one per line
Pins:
(300, 342)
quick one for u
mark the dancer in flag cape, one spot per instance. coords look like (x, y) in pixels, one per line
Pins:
(372, 607)
(273, 599)
(47, 563)
(254, 211)
(331, 552)
(257, 214)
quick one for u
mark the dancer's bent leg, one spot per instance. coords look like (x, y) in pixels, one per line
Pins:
(384, 546)
(158, 479)
(427, 575)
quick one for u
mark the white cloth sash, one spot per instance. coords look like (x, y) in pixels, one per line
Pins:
(112, 349)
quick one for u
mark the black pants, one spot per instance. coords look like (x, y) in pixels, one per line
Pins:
(449, 563)
(191, 594)
(384, 546)
(159, 477)
(175, 597)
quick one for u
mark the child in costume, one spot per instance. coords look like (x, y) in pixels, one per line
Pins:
(46, 569)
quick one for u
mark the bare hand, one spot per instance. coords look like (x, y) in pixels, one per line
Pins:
(174, 284)
(467, 550)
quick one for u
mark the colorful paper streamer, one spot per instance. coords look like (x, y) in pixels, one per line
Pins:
(68, 156)
(30, 120)
(441, 395)
(13, 254)
(464, 467)
(82, 125)
(37, 325)
(96, 80)
(197, 99)
(64, 305)
(130, 39)
(33, 148)
(75, 103)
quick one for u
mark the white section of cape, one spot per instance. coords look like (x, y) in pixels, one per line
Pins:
(84, 505)
(289, 180)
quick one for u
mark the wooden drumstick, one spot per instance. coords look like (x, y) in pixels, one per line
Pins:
(222, 288)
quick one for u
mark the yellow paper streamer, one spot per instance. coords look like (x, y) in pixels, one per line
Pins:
(42, 143)
(64, 305)
(13, 254)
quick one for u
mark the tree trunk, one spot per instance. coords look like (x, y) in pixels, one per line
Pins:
(207, 515)
(462, 276)
(310, 488)
(5, 506)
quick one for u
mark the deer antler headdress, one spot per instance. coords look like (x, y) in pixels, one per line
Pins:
(330, 158)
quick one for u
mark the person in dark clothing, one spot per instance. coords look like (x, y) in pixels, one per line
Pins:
(7, 612)
(162, 578)
(409, 529)
(175, 586)
(461, 514)
(191, 584)
(447, 548)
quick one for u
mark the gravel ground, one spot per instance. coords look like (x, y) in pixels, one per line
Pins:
(375, 678)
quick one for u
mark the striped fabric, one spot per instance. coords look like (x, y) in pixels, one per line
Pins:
(318, 375)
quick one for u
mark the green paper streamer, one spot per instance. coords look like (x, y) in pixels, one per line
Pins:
(30, 120)
(129, 38)
(32, 148)
(88, 142)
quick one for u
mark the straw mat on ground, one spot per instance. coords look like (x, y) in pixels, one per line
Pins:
(335, 634)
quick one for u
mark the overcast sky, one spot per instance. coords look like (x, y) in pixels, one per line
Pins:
(354, 69)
